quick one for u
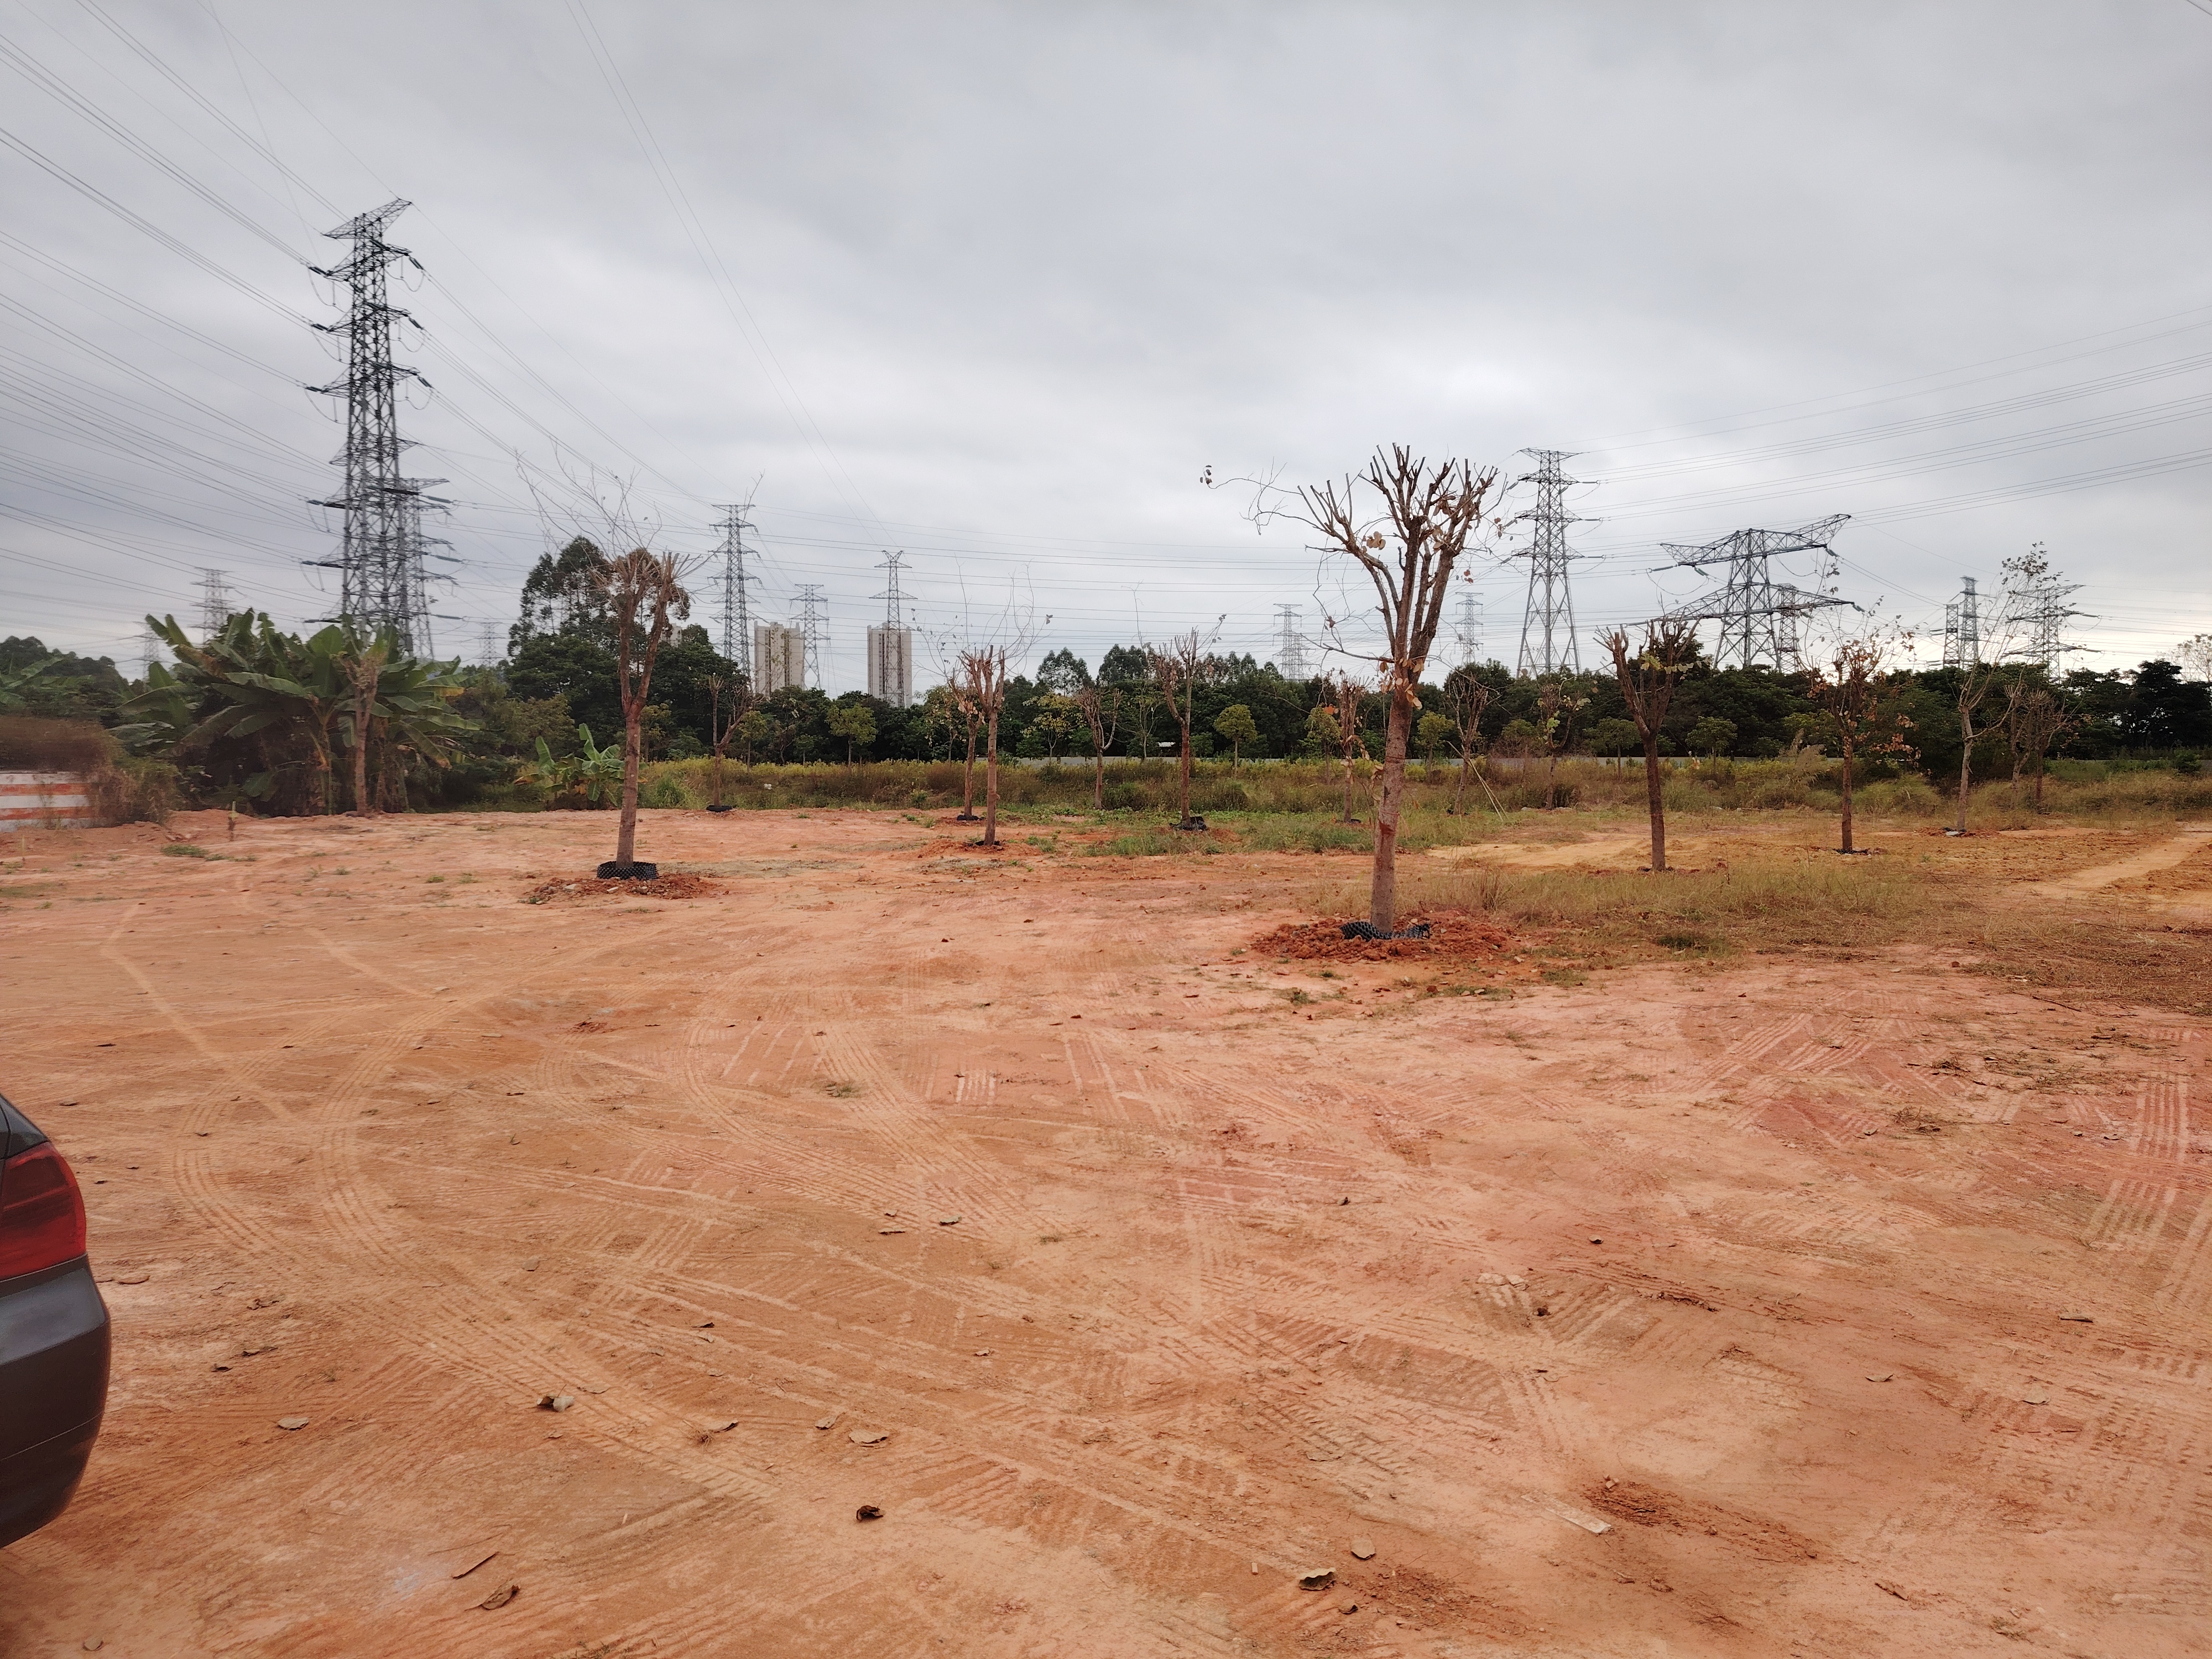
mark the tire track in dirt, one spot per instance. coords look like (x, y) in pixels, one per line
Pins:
(1109, 1421)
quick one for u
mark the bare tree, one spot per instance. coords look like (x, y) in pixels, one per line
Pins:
(2022, 575)
(721, 727)
(983, 691)
(1466, 700)
(1346, 694)
(2036, 717)
(1408, 551)
(972, 716)
(1647, 675)
(1556, 707)
(2194, 656)
(1100, 707)
(646, 599)
(1179, 667)
(1853, 688)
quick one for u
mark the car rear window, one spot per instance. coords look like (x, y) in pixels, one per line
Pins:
(17, 1132)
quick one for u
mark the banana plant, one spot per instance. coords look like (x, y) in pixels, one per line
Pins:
(596, 772)
(396, 698)
(13, 680)
(599, 770)
(279, 701)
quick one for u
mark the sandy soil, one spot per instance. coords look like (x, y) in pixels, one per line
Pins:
(1689, 1311)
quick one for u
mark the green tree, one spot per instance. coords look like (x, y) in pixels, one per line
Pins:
(1237, 728)
(1323, 735)
(1054, 717)
(1712, 735)
(855, 722)
(1433, 733)
(565, 594)
(1614, 737)
(754, 730)
(59, 685)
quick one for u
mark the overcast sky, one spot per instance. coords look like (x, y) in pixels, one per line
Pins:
(994, 284)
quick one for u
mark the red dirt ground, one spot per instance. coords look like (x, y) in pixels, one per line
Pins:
(1689, 1311)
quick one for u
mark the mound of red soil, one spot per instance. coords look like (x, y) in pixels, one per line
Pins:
(1451, 935)
(671, 887)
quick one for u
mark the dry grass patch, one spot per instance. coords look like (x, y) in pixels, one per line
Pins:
(1764, 900)
(2081, 954)
(675, 886)
(1961, 898)
(1453, 936)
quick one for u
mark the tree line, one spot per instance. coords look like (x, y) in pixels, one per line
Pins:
(557, 687)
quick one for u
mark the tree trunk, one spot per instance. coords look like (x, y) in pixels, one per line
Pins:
(1185, 819)
(626, 836)
(1466, 769)
(718, 777)
(1098, 776)
(1847, 847)
(1965, 765)
(1383, 899)
(362, 806)
(991, 786)
(1551, 780)
(1655, 789)
(967, 781)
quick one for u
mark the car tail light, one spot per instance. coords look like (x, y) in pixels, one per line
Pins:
(41, 1213)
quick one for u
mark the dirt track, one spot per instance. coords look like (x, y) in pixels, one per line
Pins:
(1573, 1304)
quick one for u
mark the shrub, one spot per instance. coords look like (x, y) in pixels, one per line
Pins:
(31, 742)
(665, 790)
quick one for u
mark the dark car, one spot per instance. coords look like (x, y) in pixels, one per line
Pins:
(53, 1331)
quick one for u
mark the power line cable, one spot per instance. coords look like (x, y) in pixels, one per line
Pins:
(703, 245)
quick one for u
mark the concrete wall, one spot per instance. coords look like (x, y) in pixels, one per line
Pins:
(44, 800)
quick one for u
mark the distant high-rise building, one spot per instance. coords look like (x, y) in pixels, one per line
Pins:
(891, 665)
(779, 657)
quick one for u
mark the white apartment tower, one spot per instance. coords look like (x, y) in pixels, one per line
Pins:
(779, 657)
(891, 665)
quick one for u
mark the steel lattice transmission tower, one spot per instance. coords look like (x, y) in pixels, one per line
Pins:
(2038, 603)
(215, 607)
(890, 648)
(893, 596)
(1548, 645)
(382, 580)
(1962, 628)
(1758, 616)
(812, 628)
(1466, 632)
(1291, 644)
(737, 601)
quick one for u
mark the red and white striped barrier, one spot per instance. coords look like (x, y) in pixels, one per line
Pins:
(44, 800)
